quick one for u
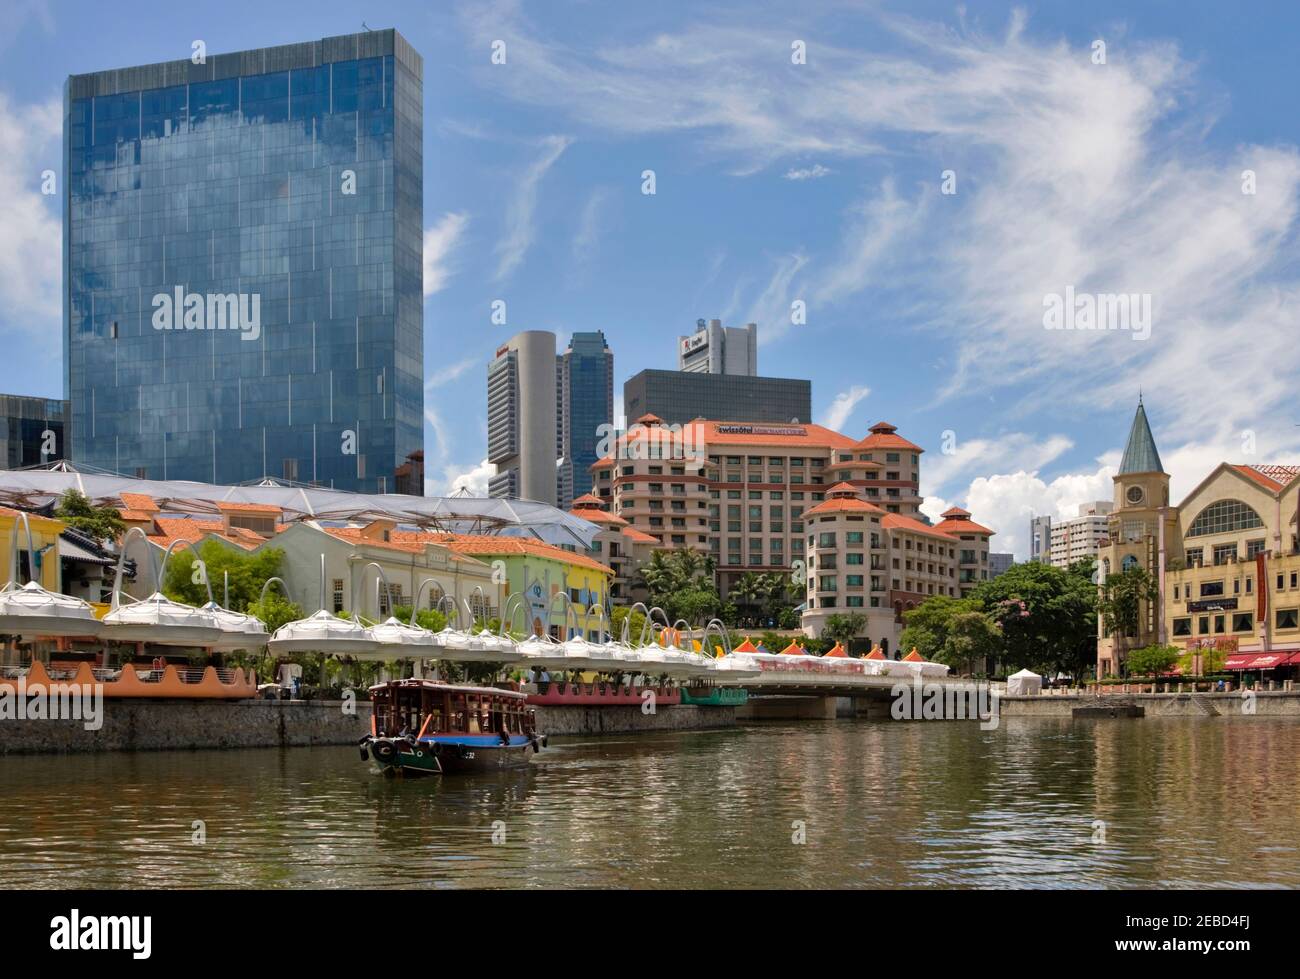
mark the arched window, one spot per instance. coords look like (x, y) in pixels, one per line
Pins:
(1129, 562)
(1224, 517)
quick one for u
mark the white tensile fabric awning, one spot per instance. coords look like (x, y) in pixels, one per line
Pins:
(32, 488)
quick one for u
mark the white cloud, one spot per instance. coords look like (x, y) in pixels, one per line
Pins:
(842, 407)
(1010, 451)
(473, 478)
(31, 227)
(1068, 173)
(519, 213)
(438, 244)
(1005, 503)
(814, 172)
(448, 373)
(587, 236)
(771, 309)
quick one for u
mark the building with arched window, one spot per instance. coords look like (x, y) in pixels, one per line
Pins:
(1226, 559)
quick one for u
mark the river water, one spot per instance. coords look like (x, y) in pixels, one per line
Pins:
(1040, 802)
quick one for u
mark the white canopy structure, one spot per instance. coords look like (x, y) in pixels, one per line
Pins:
(1026, 683)
(33, 488)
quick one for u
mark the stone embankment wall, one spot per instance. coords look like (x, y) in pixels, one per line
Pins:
(156, 725)
(161, 725)
(1266, 704)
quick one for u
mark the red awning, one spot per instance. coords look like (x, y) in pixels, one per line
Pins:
(1259, 661)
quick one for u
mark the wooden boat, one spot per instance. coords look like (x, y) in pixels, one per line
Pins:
(424, 727)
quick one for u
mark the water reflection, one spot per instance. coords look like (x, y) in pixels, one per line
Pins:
(1180, 802)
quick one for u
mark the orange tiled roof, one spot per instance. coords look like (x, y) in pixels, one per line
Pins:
(1272, 478)
(837, 650)
(842, 504)
(593, 515)
(248, 508)
(883, 436)
(649, 419)
(137, 516)
(913, 657)
(475, 544)
(588, 500)
(605, 463)
(138, 501)
(955, 511)
(844, 488)
(956, 524)
(632, 534)
(896, 521)
(174, 529)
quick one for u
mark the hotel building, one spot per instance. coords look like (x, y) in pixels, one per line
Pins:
(743, 493)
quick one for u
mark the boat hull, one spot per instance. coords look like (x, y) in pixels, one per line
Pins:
(449, 755)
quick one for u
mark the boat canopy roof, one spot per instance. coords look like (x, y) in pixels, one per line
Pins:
(449, 687)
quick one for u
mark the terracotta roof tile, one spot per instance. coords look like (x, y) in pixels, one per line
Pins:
(476, 544)
(138, 501)
(896, 521)
(842, 504)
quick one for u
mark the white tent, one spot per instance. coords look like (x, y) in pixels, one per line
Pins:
(1026, 683)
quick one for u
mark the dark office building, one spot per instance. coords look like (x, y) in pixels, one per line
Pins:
(680, 396)
(31, 431)
(584, 402)
(242, 265)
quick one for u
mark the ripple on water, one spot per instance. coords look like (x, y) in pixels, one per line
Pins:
(876, 804)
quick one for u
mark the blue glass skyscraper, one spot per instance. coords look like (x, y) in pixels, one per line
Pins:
(242, 265)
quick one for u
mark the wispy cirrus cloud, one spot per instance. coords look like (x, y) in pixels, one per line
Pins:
(520, 211)
(438, 244)
(814, 172)
(1068, 173)
(841, 407)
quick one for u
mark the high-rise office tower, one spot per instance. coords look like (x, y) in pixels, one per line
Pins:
(242, 265)
(31, 430)
(522, 440)
(715, 349)
(1040, 539)
(584, 402)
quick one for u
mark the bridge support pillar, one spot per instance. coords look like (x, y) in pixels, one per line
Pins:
(787, 708)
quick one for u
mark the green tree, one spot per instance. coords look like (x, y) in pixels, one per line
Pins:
(927, 626)
(1119, 600)
(1153, 660)
(248, 573)
(681, 582)
(972, 636)
(1047, 616)
(100, 522)
(841, 628)
(275, 610)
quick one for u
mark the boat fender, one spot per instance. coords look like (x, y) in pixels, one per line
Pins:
(546, 741)
(365, 755)
(385, 750)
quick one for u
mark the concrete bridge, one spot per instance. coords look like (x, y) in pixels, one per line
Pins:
(803, 694)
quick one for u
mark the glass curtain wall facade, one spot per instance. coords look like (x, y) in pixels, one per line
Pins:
(585, 403)
(31, 431)
(681, 396)
(242, 252)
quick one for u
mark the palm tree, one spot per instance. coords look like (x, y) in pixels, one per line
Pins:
(746, 592)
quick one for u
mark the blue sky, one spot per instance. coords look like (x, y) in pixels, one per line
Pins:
(817, 182)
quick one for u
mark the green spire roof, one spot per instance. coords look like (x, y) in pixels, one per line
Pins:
(1140, 455)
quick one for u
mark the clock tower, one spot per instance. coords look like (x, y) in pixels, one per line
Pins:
(1143, 533)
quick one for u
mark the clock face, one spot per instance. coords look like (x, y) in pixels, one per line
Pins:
(1135, 494)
